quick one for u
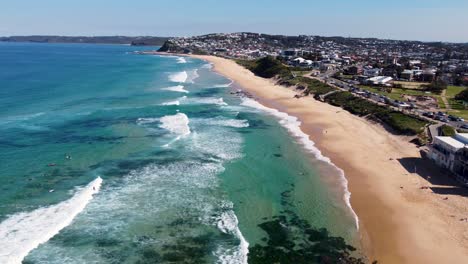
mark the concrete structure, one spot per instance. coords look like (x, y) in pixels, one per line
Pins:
(451, 153)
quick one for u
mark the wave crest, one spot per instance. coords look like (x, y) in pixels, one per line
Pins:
(23, 232)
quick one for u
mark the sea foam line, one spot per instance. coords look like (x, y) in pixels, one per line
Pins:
(293, 125)
(23, 232)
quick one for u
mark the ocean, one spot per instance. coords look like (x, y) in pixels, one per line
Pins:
(108, 156)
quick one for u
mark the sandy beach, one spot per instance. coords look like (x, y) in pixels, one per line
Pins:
(399, 221)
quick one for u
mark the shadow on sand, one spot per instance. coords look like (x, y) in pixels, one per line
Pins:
(426, 169)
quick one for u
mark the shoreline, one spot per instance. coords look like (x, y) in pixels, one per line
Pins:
(399, 221)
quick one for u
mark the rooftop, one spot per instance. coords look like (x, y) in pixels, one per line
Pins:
(451, 142)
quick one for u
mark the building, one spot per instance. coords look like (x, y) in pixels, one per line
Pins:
(291, 53)
(451, 153)
(407, 75)
(371, 72)
(427, 75)
(354, 70)
(380, 80)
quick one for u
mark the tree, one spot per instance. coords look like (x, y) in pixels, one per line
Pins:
(463, 95)
(436, 86)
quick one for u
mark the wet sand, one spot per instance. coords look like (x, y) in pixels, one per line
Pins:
(399, 221)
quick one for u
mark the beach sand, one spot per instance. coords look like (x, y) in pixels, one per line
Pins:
(399, 221)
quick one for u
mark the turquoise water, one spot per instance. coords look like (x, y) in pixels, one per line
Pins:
(189, 170)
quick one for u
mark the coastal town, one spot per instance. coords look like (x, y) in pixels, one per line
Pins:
(419, 79)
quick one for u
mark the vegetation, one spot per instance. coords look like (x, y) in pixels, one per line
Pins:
(311, 86)
(295, 241)
(153, 41)
(447, 131)
(291, 239)
(267, 67)
(399, 122)
(436, 87)
(461, 95)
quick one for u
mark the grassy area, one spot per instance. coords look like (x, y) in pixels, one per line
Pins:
(411, 85)
(312, 86)
(454, 90)
(397, 93)
(440, 102)
(459, 107)
(401, 123)
(447, 131)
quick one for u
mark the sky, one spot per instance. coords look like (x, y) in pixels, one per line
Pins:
(426, 20)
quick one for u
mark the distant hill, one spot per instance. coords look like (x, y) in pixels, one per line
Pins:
(138, 41)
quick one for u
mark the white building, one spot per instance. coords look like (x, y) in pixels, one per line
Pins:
(443, 151)
(380, 80)
(452, 153)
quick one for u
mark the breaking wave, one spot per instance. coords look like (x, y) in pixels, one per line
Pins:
(181, 60)
(175, 102)
(236, 123)
(179, 77)
(227, 223)
(177, 124)
(23, 232)
(192, 75)
(178, 88)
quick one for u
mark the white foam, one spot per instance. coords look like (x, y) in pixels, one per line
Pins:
(192, 75)
(228, 224)
(143, 121)
(177, 124)
(179, 77)
(181, 60)
(207, 66)
(293, 125)
(178, 88)
(175, 102)
(207, 100)
(23, 232)
(223, 85)
(236, 123)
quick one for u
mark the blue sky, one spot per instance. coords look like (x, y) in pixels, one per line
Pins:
(430, 20)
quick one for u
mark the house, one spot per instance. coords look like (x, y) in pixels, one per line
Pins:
(451, 153)
(354, 70)
(390, 71)
(291, 53)
(427, 75)
(371, 72)
(407, 75)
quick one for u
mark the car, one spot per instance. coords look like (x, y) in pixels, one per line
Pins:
(459, 119)
(452, 118)
(464, 126)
